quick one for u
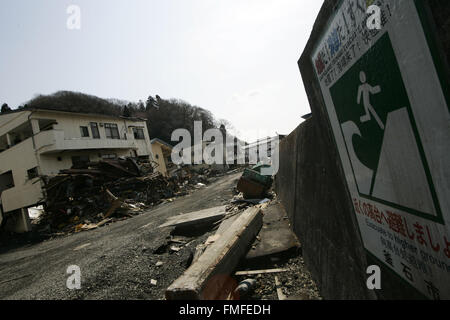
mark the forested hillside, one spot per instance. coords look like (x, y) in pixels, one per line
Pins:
(163, 116)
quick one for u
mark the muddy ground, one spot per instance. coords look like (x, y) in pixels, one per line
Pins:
(120, 260)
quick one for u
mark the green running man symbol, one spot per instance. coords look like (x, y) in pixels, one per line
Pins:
(366, 90)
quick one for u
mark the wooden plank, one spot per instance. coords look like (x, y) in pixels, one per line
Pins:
(280, 293)
(206, 216)
(251, 272)
(116, 204)
(209, 277)
(226, 224)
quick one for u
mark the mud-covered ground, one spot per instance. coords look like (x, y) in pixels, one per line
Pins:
(295, 284)
(120, 260)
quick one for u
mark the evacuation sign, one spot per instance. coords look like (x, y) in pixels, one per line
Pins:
(390, 118)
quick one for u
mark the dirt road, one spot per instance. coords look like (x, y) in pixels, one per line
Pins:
(117, 261)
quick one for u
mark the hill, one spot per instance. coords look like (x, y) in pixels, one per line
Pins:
(163, 116)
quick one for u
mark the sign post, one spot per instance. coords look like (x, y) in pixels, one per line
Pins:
(391, 124)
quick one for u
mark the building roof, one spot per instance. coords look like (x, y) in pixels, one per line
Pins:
(157, 140)
(71, 112)
(263, 141)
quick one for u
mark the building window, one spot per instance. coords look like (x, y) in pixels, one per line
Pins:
(84, 132)
(80, 161)
(109, 156)
(139, 133)
(111, 130)
(6, 181)
(94, 129)
(32, 173)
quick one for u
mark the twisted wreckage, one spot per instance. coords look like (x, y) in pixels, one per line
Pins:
(92, 194)
(88, 196)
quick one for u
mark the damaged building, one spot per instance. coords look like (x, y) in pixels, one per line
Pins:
(162, 152)
(38, 142)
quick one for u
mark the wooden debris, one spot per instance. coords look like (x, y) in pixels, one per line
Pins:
(106, 186)
(280, 293)
(82, 246)
(212, 239)
(207, 216)
(198, 252)
(209, 277)
(103, 222)
(202, 247)
(246, 273)
(116, 204)
(178, 241)
(226, 222)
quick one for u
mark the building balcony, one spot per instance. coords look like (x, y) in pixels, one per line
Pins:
(54, 141)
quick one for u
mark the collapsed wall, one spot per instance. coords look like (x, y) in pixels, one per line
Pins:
(318, 180)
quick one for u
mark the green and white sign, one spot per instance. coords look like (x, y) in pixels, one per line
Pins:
(390, 117)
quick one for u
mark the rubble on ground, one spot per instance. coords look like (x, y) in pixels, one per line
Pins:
(276, 271)
(208, 277)
(80, 199)
(295, 284)
(86, 197)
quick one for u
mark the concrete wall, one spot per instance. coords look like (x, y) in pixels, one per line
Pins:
(19, 159)
(11, 121)
(312, 187)
(313, 191)
(440, 13)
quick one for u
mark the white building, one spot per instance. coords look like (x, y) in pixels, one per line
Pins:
(43, 142)
(262, 150)
(162, 152)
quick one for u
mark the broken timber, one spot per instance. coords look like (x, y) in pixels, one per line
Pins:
(252, 272)
(280, 293)
(115, 204)
(209, 277)
(196, 218)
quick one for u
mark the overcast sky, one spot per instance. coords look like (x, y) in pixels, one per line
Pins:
(236, 58)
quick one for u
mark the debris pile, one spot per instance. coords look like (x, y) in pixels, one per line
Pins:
(208, 277)
(253, 184)
(245, 233)
(86, 197)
